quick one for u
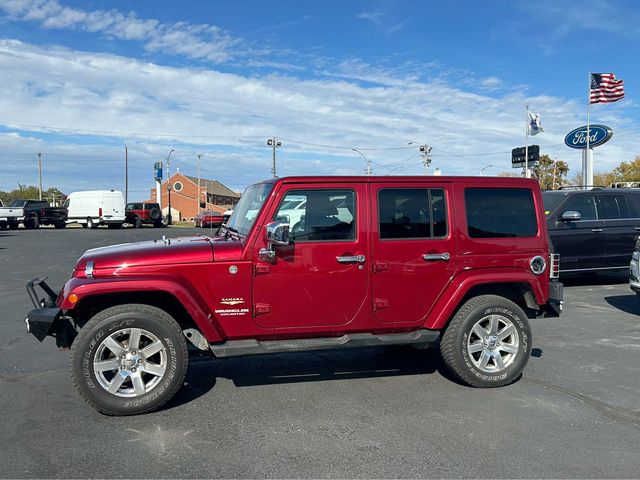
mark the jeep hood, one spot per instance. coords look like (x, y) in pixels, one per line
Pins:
(154, 252)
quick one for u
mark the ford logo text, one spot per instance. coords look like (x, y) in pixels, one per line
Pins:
(598, 135)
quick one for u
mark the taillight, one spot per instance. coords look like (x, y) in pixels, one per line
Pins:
(100, 212)
(554, 271)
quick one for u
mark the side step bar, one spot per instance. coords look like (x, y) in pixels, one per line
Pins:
(235, 348)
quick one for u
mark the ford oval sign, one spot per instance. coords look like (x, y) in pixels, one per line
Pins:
(598, 135)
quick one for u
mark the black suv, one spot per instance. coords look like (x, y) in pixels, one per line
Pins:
(593, 230)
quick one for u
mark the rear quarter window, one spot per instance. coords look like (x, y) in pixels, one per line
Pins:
(500, 212)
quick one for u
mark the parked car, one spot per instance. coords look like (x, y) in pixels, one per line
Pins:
(32, 214)
(593, 230)
(208, 218)
(140, 213)
(96, 207)
(226, 215)
(419, 262)
(634, 269)
(10, 217)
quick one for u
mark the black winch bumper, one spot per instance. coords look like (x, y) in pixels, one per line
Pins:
(46, 319)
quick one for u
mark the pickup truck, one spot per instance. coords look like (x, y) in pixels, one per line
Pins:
(10, 217)
(462, 263)
(33, 213)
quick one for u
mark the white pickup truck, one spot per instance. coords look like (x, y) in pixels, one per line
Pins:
(10, 216)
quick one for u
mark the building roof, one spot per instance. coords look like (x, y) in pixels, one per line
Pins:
(214, 187)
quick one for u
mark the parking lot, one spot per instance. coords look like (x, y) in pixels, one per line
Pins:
(388, 412)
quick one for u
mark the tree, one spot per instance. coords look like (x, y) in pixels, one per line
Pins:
(550, 174)
(30, 192)
(627, 171)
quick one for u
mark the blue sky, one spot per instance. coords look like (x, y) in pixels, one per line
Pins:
(79, 80)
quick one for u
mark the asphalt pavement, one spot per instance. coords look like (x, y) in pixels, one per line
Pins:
(386, 412)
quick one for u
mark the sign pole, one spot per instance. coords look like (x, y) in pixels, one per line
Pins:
(526, 145)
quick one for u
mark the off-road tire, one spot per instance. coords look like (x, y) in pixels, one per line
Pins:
(154, 213)
(454, 343)
(120, 318)
(32, 222)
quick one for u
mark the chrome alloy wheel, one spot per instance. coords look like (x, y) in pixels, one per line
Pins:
(130, 362)
(493, 343)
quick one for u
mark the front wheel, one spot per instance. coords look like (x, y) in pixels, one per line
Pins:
(488, 342)
(129, 359)
(91, 223)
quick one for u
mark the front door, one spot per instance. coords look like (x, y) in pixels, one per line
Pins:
(580, 243)
(322, 278)
(414, 250)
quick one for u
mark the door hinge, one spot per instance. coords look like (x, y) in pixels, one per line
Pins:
(380, 303)
(261, 308)
(261, 269)
(380, 267)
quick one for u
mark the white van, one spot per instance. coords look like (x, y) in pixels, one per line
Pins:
(96, 207)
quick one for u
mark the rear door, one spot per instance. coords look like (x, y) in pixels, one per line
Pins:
(622, 226)
(413, 247)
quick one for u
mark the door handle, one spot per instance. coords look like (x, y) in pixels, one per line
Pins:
(351, 259)
(443, 257)
(597, 230)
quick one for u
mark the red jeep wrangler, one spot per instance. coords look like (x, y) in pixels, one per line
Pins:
(462, 261)
(139, 213)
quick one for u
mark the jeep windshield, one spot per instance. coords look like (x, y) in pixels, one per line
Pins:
(246, 211)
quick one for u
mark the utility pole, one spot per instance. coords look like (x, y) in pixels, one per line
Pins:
(126, 174)
(169, 222)
(369, 169)
(274, 143)
(40, 175)
(425, 153)
(198, 195)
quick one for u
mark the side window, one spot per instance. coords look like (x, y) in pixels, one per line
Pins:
(584, 204)
(411, 213)
(319, 215)
(609, 206)
(500, 212)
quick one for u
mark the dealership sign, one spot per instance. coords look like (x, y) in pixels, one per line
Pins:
(598, 135)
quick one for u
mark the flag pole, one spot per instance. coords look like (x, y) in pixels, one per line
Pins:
(585, 162)
(526, 145)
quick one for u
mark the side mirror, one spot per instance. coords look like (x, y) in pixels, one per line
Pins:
(570, 216)
(276, 233)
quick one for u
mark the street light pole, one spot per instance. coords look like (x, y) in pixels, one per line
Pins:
(40, 175)
(198, 195)
(484, 168)
(126, 174)
(169, 219)
(425, 153)
(369, 170)
(274, 143)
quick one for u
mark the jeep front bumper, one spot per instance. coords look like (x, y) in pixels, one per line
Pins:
(46, 319)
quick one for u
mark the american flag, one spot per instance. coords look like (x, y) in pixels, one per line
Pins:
(605, 88)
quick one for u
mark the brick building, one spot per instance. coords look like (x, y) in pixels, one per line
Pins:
(184, 195)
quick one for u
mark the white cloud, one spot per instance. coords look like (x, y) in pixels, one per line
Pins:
(229, 116)
(201, 41)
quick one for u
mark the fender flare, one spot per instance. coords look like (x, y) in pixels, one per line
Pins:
(452, 296)
(187, 297)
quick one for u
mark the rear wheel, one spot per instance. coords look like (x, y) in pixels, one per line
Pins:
(137, 222)
(129, 359)
(488, 342)
(32, 222)
(60, 224)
